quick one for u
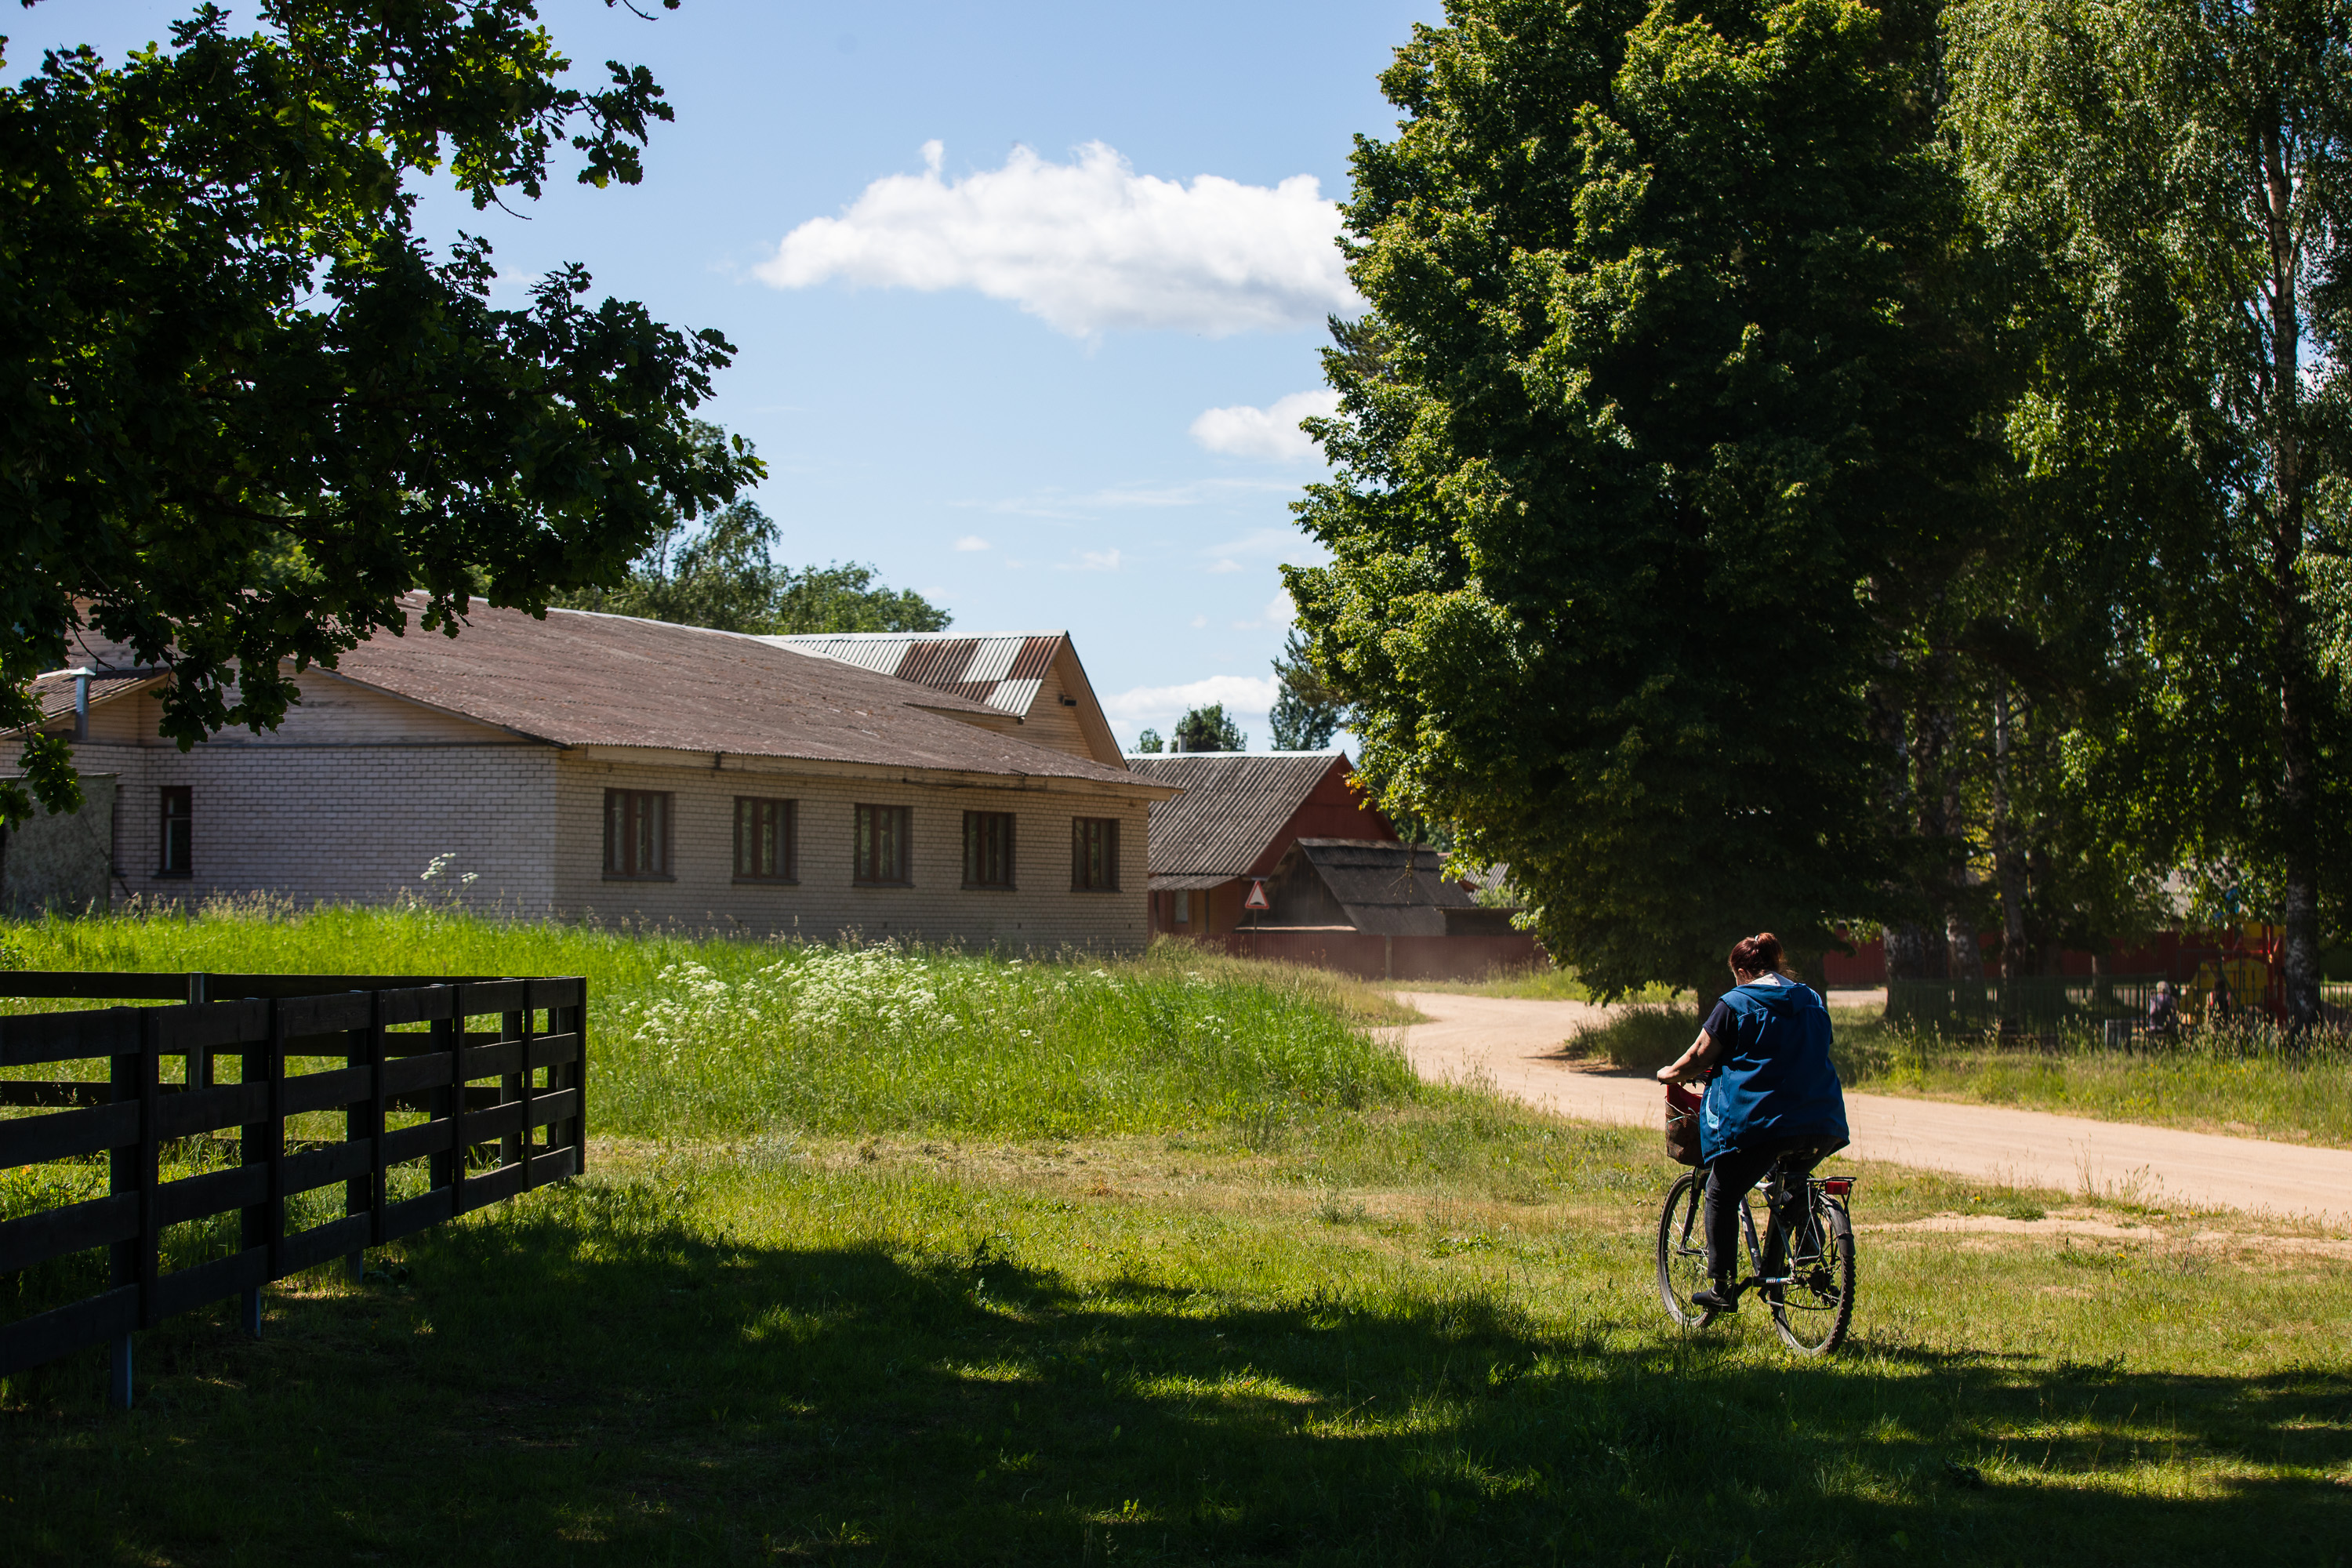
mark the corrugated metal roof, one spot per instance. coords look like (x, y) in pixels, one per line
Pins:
(1188, 883)
(56, 692)
(1002, 672)
(1234, 804)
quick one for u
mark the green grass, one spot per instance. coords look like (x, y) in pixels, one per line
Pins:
(1543, 983)
(2243, 1086)
(1412, 1326)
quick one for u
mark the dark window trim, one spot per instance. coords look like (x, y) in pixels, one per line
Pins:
(669, 836)
(1012, 883)
(789, 876)
(906, 815)
(165, 819)
(1078, 825)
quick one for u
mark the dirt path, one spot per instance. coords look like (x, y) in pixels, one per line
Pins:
(1516, 1046)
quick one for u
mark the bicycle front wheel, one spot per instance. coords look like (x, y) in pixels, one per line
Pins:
(1682, 1251)
(1816, 1308)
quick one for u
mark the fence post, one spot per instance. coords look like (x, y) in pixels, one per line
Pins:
(456, 1156)
(580, 1084)
(132, 1168)
(263, 1143)
(364, 1120)
(200, 1057)
(516, 1145)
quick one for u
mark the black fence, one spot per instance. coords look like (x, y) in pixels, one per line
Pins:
(408, 1093)
(2029, 1004)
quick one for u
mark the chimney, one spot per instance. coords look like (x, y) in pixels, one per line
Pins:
(81, 702)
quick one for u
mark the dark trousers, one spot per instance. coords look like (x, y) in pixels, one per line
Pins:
(1729, 1181)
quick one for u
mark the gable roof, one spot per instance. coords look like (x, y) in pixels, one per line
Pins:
(579, 679)
(1390, 888)
(1004, 670)
(1234, 805)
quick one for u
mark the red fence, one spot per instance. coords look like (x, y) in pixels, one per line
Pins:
(1382, 957)
(387, 1071)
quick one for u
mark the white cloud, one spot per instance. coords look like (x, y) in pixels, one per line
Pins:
(1094, 561)
(1088, 245)
(1270, 434)
(1226, 565)
(1246, 698)
(1277, 613)
(972, 542)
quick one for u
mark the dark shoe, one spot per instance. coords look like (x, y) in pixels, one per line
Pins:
(1720, 1296)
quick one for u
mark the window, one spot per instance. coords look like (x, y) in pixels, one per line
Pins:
(881, 845)
(765, 847)
(988, 849)
(1094, 854)
(177, 856)
(1183, 897)
(636, 833)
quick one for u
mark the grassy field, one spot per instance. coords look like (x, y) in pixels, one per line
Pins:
(1288, 1306)
(2248, 1086)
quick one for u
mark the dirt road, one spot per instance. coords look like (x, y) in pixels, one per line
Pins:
(1516, 1046)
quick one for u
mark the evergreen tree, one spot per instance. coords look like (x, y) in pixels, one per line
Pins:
(1306, 714)
(1208, 730)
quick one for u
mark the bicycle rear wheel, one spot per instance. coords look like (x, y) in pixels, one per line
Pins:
(1816, 1308)
(1682, 1251)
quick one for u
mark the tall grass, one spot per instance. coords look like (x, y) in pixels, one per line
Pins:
(2252, 1082)
(691, 1035)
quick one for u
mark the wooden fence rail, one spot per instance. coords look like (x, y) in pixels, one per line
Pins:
(534, 1117)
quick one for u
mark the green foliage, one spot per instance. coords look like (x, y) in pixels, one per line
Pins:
(252, 410)
(1208, 730)
(1641, 1038)
(1148, 742)
(725, 576)
(1662, 393)
(2171, 184)
(1306, 713)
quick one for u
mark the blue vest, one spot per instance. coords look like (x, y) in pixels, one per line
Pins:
(1773, 1082)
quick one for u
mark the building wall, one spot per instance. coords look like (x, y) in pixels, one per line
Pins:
(358, 792)
(338, 822)
(1051, 722)
(1041, 913)
(60, 862)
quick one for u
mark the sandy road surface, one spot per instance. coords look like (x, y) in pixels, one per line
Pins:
(1516, 1045)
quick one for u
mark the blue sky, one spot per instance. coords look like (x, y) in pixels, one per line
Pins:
(1019, 292)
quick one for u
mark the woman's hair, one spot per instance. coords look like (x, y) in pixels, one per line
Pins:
(1758, 954)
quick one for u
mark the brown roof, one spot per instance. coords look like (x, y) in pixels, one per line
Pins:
(582, 680)
(1386, 887)
(1234, 805)
(55, 691)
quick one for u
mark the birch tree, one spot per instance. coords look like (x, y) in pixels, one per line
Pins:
(2181, 168)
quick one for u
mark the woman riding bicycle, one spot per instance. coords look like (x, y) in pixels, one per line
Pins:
(1771, 1096)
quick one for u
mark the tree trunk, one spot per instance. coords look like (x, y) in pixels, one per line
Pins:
(2297, 801)
(1963, 959)
(2009, 864)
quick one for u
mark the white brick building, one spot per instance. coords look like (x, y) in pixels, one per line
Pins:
(599, 766)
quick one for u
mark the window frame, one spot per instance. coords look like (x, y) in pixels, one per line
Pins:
(862, 853)
(185, 821)
(980, 821)
(1082, 830)
(618, 867)
(788, 849)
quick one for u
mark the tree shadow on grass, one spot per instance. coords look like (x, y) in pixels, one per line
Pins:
(585, 1380)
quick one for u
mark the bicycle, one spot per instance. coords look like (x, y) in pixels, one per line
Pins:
(1812, 1301)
